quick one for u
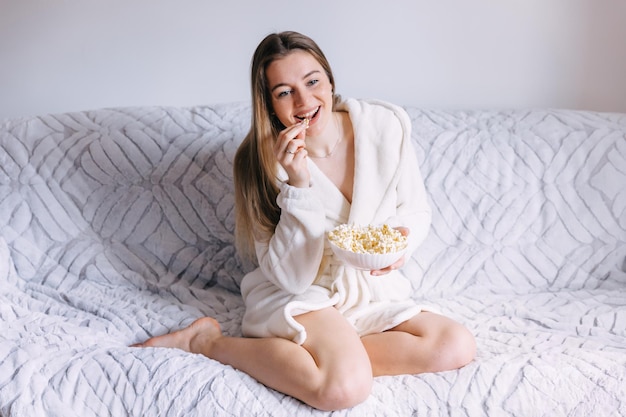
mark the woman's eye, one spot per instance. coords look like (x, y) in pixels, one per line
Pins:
(284, 93)
(313, 82)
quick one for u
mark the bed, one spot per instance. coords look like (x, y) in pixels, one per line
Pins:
(117, 224)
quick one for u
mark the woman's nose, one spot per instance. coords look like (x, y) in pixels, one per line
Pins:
(302, 96)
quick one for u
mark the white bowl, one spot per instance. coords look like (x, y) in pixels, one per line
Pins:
(367, 247)
(367, 261)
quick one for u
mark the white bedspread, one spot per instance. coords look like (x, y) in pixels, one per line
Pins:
(117, 224)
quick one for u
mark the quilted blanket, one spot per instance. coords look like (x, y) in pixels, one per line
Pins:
(117, 224)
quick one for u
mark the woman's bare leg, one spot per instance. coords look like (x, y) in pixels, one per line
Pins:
(427, 342)
(330, 371)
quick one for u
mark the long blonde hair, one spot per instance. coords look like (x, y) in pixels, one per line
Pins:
(255, 166)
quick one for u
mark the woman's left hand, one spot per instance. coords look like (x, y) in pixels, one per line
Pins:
(396, 265)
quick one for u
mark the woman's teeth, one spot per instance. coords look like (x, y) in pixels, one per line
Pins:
(309, 115)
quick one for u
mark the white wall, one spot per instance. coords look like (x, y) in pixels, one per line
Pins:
(63, 55)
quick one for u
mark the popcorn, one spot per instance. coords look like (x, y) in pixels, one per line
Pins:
(368, 239)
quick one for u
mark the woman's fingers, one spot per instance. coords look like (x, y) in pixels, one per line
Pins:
(290, 151)
(396, 265)
(291, 140)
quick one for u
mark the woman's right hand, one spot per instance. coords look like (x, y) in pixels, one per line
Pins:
(290, 151)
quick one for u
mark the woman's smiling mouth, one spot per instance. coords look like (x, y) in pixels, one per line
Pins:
(310, 115)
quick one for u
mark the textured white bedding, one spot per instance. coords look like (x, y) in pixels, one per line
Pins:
(117, 225)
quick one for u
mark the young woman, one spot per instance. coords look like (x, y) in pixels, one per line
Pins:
(315, 329)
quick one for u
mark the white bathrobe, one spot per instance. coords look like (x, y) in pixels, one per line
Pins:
(297, 271)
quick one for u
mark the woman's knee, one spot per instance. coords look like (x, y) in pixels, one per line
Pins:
(457, 347)
(444, 343)
(345, 372)
(341, 393)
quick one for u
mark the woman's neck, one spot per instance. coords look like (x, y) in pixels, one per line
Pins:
(325, 146)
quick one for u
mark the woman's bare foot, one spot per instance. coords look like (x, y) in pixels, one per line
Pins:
(196, 338)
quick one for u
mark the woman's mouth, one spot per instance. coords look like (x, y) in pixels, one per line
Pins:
(308, 116)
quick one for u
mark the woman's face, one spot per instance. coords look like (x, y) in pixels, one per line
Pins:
(300, 89)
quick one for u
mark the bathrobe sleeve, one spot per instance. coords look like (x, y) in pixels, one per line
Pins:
(291, 258)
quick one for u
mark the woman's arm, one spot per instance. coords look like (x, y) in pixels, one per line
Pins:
(291, 257)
